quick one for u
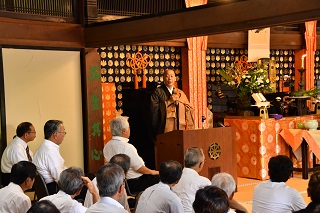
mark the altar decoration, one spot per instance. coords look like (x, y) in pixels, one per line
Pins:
(139, 62)
(246, 78)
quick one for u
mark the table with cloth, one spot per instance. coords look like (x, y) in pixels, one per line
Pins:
(300, 140)
(259, 139)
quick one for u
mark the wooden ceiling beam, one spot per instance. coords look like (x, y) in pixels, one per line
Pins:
(203, 20)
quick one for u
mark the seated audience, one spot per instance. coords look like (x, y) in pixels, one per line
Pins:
(139, 177)
(47, 157)
(70, 184)
(190, 180)
(226, 182)
(274, 195)
(314, 193)
(110, 181)
(43, 206)
(123, 161)
(17, 150)
(12, 197)
(159, 197)
(211, 199)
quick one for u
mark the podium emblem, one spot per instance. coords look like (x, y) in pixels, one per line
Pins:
(214, 151)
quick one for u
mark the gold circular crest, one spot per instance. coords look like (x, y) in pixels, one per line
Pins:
(214, 151)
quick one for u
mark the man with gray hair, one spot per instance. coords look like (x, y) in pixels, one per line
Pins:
(110, 181)
(190, 180)
(122, 160)
(139, 177)
(71, 182)
(227, 183)
(47, 158)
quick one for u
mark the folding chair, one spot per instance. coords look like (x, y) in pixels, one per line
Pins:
(40, 188)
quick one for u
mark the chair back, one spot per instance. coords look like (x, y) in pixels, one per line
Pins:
(40, 187)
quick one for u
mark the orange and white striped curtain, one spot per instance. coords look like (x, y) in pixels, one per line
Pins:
(197, 47)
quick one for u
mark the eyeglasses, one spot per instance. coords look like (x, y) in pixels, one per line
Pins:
(32, 132)
(63, 132)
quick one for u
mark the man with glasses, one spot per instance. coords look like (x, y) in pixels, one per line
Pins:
(190, 180)
(17, 150)
(47, 158)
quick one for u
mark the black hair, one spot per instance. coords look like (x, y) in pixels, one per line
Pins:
(50, 127)
(170, 171)
(23, 128)
(43, 206)
(280, 168)
(122, 160)
(21, 171)
(211, 199)
(314, 187)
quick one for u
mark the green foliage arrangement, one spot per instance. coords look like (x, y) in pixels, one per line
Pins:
(252, 80)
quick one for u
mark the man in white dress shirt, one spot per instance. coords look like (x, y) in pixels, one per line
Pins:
(274, 195)
(123, 161)
(110, 181)
(17, 150)
(47, 157)
(139, 177)
(226, 182)
(12, 197)
(190, 180)
(70, 183)
(159, 197)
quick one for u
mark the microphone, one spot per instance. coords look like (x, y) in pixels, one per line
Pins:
(174, 90)
(173, 93)
(203, 118)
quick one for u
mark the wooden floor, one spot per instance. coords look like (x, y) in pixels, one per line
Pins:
(246, 186)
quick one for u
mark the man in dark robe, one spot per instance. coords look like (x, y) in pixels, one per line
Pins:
(170, 108)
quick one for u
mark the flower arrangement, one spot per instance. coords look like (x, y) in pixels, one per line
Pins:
(246, 79)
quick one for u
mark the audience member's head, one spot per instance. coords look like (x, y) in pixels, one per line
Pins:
(225, 182)
(211, 199)
(122, 160)
(280, 168)
(110, 180)
(54, 131)
(194, 158)
(26, 131)
(119, 126)
(314, 187)
(43, 206)
(23, 173)
(170, 172)
(70, 180)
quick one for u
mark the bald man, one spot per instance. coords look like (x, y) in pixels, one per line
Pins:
(170, 107)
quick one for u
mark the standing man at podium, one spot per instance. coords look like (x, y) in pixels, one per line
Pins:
(170, 108)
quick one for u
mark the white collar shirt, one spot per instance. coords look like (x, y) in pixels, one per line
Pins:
(88, 201)
(159, 198)
(13, 199)
(120, 145)
(187, 187)
(65, 203)
(49, 162)
(106, 205)
(276, 197)
(14, 152)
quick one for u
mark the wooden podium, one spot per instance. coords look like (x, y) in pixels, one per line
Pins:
(218, 145)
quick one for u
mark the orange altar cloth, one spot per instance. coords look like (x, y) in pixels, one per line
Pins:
(259, 139)
(294, 138)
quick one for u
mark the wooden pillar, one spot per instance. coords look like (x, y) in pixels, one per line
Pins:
(92, 109)
(91, 11)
